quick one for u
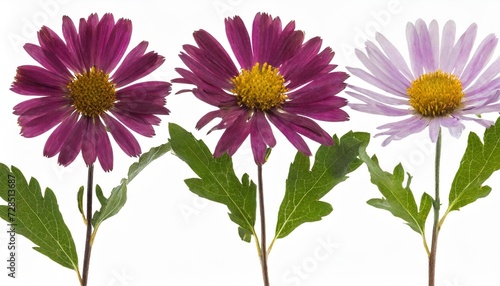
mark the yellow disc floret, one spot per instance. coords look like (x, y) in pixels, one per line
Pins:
(436, 94)
(92, 92)
(261, 88)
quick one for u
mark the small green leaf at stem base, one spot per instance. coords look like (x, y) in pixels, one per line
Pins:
(79, 199)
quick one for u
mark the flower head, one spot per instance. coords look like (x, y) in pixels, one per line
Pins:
(443, 88)
(83, 90)
(282, 80)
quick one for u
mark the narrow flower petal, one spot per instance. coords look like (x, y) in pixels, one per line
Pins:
(233, 137)
(73, 143)
(239, 40)
(49, 61)
(135, 68)
(116, 45)
(447, 43)
(89, 142)
(33, 80)
(73, 43)
(104, 152)
(58, 137)
(122, 136)
(479, 59)
(290, 134)
(461, 51)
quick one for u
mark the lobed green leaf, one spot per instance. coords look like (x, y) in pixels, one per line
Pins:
(477, 165)
(217, 180)
(36, 217)
(397, 199)
(305, 186)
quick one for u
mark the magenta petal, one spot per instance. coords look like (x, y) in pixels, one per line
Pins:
(53, 44)
(104, 150)
(134, 122)
(33, 80)
(32, 126)
(306, 127)
(145, 91)
(117, 45)
(48, 60)
(287, 45)
(265, 32)
(101, 36)
(328, 111)
(205, 119)
(209, 75)
(290, 134)
(41, 106)
(122, 136)
(59, 135)
(261, 136)
(215, 53)
(292, 69)
(89, 143)
(136, 68)
(233, 137)
(141, 107)
(73, 43)
(239, 40)
(86, 31)
(262, 127)
(73, 143)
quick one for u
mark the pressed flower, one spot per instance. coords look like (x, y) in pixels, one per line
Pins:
(444, 87)
(84, 90)
(281, 80)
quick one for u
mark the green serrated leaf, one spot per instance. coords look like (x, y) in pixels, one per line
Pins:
(305, 187)
(36, 217)
(478, 163)
(217, 180)
(113, 204)
(397, 199)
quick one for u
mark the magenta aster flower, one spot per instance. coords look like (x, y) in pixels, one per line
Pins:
(80, 88)
(282, 80)
(443, 88)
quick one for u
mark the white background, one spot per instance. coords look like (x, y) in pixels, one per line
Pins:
(165, 235)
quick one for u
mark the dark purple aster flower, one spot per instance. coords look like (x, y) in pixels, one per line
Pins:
(282, 80)
(82, 89)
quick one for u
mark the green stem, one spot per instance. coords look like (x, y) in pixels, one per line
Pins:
(263, 252)
(436, 205)
(88, 237)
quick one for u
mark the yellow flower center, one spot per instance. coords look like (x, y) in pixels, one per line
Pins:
(260, 88)
(436, 94)
(92, 92)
